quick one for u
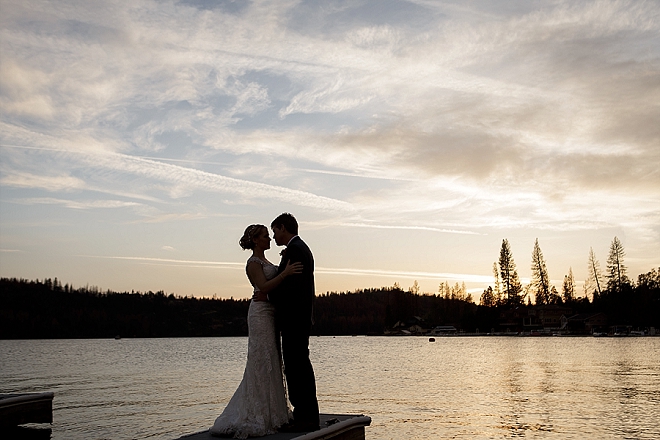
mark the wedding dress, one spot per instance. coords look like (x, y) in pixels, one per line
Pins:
(259, 405)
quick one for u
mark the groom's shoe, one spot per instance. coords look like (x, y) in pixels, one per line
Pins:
(299, 427)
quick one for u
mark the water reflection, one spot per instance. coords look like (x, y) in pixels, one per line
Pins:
(464, 388)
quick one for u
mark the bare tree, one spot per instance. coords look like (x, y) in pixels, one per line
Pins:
(616, 276)
(540, 281)
(594, 280)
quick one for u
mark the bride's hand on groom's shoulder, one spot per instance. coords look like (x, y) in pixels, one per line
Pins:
(292, 268)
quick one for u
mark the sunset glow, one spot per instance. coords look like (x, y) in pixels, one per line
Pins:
(139, 139)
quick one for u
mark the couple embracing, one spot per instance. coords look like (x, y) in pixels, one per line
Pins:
(281, 304)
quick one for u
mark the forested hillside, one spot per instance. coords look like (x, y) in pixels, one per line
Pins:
(46, 309)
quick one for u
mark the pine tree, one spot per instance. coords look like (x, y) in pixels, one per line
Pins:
(511, 287)
(568, 290)
(458, 292)
(616, 277)
(554, 296)
(540, 280)
(488, 298)
(498, 285)
(444, 290)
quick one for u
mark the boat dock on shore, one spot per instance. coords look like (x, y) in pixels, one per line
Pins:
(333, 427)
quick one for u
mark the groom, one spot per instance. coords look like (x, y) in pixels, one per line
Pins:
(293, 300)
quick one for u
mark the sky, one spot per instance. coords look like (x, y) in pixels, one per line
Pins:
(409, 138)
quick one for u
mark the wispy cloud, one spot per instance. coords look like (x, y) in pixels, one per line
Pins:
(208, 181)
(88, 204)
(399, 274)
(168, 261)
(174, 174)
(410, 228)
(457, 119)
(318, 270)
(50, 183)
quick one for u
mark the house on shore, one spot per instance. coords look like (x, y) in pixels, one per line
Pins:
(443, 330)
(587, 323)
(544, 319)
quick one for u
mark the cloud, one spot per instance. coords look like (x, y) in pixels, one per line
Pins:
(171, 261)
(459, 115)
(318, 270)
(197, 179)
(331, 97)
(449, 119)
(23, 91)
(412, 228)
(382, 226)
(397, 274)
(181, 179)
(49, 183)
(73, 204)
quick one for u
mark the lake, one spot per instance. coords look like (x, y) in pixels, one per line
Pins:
(457, 387)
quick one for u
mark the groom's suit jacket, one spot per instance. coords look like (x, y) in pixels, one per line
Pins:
(294, 297)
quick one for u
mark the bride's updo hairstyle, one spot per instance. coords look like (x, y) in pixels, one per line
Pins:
(251, 232)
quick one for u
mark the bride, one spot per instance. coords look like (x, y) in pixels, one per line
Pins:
(259, 405)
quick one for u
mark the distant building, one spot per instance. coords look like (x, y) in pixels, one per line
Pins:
(511, 320)
(416, 330)
(587, 323)
(550, 315)
(441, 330)
(545, 318)
(411, 326)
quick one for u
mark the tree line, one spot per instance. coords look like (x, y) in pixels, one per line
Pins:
(46, 309)
(509, 291)
(613, 292)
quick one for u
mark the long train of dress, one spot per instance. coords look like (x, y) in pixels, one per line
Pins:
(259, 406)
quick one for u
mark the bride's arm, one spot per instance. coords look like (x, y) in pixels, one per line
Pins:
(256, 273)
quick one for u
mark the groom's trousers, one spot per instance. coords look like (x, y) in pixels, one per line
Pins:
(301, 384)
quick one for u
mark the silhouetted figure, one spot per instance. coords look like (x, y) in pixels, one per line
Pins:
(293, 300)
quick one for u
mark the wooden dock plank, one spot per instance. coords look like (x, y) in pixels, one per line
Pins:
(18, 409)
(346, 427)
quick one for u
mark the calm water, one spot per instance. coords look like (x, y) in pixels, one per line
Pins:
(461, 388)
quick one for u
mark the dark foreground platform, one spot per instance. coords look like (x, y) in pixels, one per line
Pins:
(18, 409)
(333, 426)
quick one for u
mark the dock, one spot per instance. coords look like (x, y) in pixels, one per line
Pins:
(333, 426)
(18, 409)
